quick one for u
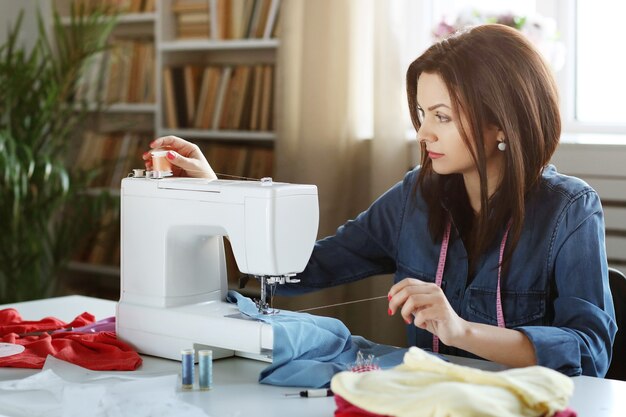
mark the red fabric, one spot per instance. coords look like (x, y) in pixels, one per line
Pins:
(347, 409)
(96, 351)
(568, 412)
(11, 322)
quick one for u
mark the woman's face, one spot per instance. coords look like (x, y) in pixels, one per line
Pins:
(440, 130)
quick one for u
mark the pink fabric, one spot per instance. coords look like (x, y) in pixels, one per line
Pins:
(104, 325)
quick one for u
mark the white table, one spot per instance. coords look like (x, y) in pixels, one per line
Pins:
(236, 391)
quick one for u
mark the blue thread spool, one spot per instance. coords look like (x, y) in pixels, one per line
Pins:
(205, 366)
(187, 364)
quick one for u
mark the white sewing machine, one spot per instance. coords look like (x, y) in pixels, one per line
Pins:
(173, 270)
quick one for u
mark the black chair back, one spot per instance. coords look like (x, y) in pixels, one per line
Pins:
(617, 282)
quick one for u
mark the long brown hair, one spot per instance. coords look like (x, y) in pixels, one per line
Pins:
(495, 77)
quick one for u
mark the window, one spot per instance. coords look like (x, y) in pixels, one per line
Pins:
(600, 81)
(592, 82)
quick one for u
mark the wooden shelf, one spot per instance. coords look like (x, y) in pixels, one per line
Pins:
(99, 190)
(94, 268)
(128, 18)
(131, 108)
(137, 17)
(209, 44)
(238, 135)
(121, 107)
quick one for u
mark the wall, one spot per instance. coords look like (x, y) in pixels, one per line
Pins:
(9, 12)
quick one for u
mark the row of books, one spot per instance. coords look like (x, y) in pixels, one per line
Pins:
(226, 19)
(239, 161)
(124, 73)
(112, 156)
(228, 97)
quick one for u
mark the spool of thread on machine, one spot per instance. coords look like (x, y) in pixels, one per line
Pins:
(160, 164)
(187, 363)
(205, 369)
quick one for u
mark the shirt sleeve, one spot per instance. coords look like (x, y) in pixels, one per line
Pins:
(361, 247)
(580, 339)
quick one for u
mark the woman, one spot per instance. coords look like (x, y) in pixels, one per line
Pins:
(495, 254)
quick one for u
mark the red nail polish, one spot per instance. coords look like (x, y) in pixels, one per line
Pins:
(170, 155)
(389, 312)
(407, 321)
(389, 297)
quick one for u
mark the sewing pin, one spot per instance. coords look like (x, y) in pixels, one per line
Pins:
(312, 393)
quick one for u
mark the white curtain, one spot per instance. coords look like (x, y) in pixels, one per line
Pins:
(342, 119)
(341, 106)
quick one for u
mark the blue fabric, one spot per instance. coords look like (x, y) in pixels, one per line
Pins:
(308, 350)
(556, 290)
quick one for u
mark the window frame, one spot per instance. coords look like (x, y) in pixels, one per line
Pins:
(564, 12)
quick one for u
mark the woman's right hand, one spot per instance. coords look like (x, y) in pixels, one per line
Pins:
(186, 158)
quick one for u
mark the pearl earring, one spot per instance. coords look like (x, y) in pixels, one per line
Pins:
(502, 146)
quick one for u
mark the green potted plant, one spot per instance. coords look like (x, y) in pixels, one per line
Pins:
(45, 210)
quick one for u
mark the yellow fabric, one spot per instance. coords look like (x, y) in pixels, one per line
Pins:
(425, 385)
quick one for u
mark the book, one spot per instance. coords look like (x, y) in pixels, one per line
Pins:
(223, 18)
(202, 97)
(191, 74)
(248, 10)
(236, 19)
(276, 29)
(190, 6)
(171, 115)
(264, 10)
(131, 92)
(266, 98)
(148, 94)
(253, 23)
(178, 79)
(192, 19)
(119, 170)
(149, 6)
(113, 74)
(239, 97)
(261, 163)
(272, 18)
(126, 58)
(242, 99)
(221, 95)
(208, 97)
(257, 85)
(135, 6)
(245, 116)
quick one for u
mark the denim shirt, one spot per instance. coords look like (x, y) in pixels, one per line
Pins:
(556, 289)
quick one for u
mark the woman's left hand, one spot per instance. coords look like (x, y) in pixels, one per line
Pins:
(425, 305)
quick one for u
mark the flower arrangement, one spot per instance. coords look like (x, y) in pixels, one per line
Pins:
(541, 31)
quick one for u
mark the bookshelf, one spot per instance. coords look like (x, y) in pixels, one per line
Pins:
(181, 41)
